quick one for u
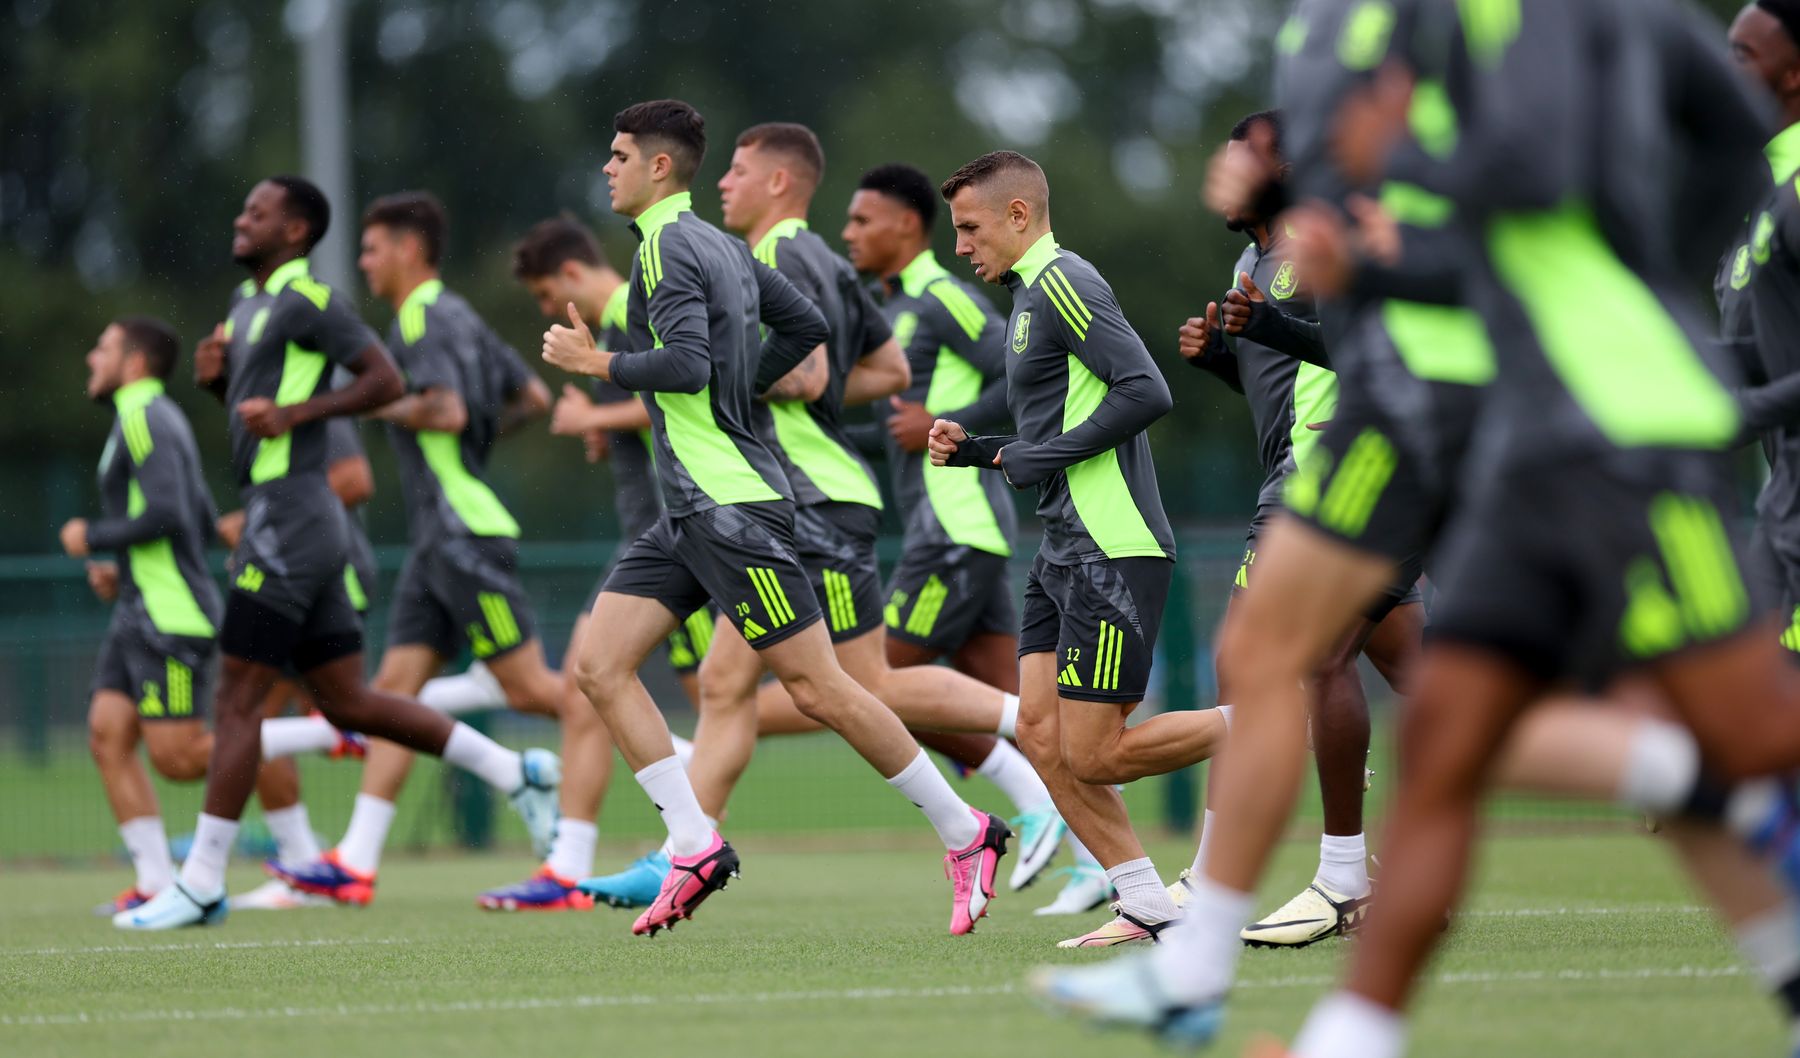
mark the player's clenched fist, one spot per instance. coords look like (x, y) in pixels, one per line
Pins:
(943, 441)
(1199, 334)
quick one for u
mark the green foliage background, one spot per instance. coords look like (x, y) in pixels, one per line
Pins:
(129, 133)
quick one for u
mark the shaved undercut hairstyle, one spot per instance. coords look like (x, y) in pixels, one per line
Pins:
(1008, 171)
(796, 143)
(906, 185)
(667, 126)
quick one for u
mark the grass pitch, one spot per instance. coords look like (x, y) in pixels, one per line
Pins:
(1575, 946)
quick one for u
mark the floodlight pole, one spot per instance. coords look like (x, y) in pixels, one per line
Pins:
(321, 30)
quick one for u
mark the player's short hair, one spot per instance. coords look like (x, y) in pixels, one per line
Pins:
(905, 184)
(793, 141)
(1786, 12)
(155, 339)
(996, 166)
(1272, 118)
(302, 198)
(670, 127)
(552, 243)
(419, 212)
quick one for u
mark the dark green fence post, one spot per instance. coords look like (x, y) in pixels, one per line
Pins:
(1182, 646)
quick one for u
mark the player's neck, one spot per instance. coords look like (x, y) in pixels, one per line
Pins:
(907, 254)
(268, 267)
(779, 212)
(1263, 234)
(412, 281)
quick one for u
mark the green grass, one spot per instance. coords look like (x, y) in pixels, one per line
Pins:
(823, 952)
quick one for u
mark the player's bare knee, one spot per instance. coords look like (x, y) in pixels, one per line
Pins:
(811, 698)
(1039, 740)
(110, 738)
(1096, 763)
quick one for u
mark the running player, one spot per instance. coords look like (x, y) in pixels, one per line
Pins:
(289, 604)
(1756, 282)
(1652, 583)
(949, 595)
(766, 193)
(1082, 390)
(150, 682)
(1268, 346)
(727, 528)
(1411, 381)
(459, 586)
(560, 263)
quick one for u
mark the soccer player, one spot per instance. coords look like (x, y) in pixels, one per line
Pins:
(560, 263)
(150, 682)
(1414, 392)
(1652, 583)
(289, 603)
(950, 596)
(1082, 390)
(727, 528)
(459, 586)
(1756, 283)
(767, 193)
(1267, 346)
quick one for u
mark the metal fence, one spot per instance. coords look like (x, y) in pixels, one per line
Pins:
(51, 806)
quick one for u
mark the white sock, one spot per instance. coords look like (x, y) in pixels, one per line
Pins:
(1660, 769)
(1008, 769)
(493, 763)
(1344, 865)
(1082, 855)
(921, 783)
(1197, 959)
(367, 833)
(683, 749)
(295, 841)
(1770, 943)
(286, 736)
(1141, 892)
(204, 871)
(1206, 830)
(1009, 716)
(468, 692)
(572, 850)
(668, 847)
(149, 848)
(667, 784)
(1749, 806)
(1349, 1026)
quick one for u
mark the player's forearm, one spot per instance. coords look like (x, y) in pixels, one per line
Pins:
(116, 534)
(681, 366)
(376, 382)
(435, 410)
(1288, 335)
(1221, 363)
(806, 382)
(1769, 406)
(980, 451)
(1128, 409)
(883, 373)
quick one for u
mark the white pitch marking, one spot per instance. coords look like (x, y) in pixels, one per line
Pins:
(242, 945)
(489, 1006)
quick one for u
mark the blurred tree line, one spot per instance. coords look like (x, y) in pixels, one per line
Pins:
(129, 134)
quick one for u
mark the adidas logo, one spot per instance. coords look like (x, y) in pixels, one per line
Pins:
(752, 629)
(1069, 678)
